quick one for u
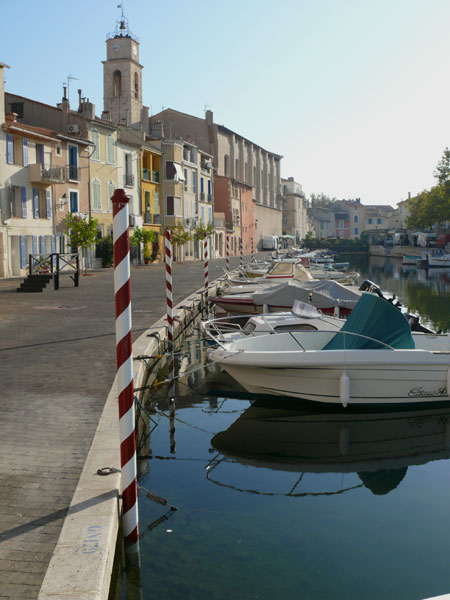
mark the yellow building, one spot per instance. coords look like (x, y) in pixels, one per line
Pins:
(103, 173)
(151, 197)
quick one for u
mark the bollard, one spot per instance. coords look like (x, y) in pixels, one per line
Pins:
(124, 351)
(205, 258)
(241, 251)
(169, 298)
(227, 252)
(253, 250)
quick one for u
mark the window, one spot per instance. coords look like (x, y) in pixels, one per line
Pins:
(17, 107)
(58, 150)
(210, 214)
(185, 180)
(225, 165)
(341, 225)
(73, 201)
(355, 219)
(95, 139)
(18, 202)
(73, 163)
(111, 188)
(174, 207)
(136, 85)
(117, 83)
(40, 154)
(9, 149)
(356, 231)
(24, 152)
(236, 168)
(96, 195)
(110, 153)
(379, 221)
(202, 213)
(369, 221)
(194, 182)
(156, 203)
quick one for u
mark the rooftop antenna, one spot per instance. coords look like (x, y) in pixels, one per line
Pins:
(69, 78)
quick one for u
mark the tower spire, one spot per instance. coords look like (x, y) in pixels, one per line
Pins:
(122, 28)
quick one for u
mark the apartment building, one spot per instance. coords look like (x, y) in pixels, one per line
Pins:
(295, 213)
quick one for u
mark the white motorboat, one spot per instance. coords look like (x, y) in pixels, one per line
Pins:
(411, 259)
(373, 359)
(326, 295)
(279, 272)
(442, 260)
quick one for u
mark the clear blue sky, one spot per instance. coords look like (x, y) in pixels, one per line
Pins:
(353, 93)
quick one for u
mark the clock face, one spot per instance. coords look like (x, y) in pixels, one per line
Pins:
(134, 50)
(116, 48)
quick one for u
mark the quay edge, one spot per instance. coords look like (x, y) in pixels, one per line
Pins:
(82, 561)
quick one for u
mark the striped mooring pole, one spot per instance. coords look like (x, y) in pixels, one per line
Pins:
(253, 250)
(169, 297)
(241, 252)
(124, 350)
(205, 258)
(227, 251)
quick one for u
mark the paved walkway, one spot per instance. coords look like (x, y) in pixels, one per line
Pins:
(57, 364)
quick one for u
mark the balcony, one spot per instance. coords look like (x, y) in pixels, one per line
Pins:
(146, 174)
(148, 218)
(210, 198)
(73, 173)
(155, 176)
(40, 174)
(202, 196)
(156, 219)
(128, 180)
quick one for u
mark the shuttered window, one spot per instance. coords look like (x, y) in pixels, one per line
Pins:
(23, 199)
(95, 140)
(96, 195)
(24, 152)
(48, 204)
(110, 153)
(110, 189)
(9, 149)
(35, 203)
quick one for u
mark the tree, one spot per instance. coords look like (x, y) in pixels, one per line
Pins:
(442, 172)
(179, 236)
(145, 237)
(201, 230)
(82, 233)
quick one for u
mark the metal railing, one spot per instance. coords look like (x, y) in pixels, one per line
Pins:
(128, 180)
(54, 265)
(73, 172)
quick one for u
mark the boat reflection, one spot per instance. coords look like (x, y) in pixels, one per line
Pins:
(378, 446)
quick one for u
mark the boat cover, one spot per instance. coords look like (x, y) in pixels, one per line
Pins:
(375, 318)
(325, 294)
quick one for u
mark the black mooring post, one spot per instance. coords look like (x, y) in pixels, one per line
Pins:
(77, 272)
(56, 276)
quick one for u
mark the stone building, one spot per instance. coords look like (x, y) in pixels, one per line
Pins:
(295, 210)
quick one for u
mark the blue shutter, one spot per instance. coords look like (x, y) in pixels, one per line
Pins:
(201, 185)
(25, 151)
(73, 202)
(35, 203)
(42, 244)
(23, 252)
(48, 204)
(209, 186)
(9, 149)
(23, 195)
(41, 153)
(35, 245)
(53, 243)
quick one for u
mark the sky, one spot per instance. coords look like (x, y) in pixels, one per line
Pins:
(354, 94)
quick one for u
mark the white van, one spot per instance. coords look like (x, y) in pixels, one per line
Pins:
(426, 240)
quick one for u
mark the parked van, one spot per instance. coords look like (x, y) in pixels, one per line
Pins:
(270, 242)
(426, 240)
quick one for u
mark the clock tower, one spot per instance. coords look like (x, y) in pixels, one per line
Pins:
(122, 78)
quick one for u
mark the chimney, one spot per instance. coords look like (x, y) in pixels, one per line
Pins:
(157, 130)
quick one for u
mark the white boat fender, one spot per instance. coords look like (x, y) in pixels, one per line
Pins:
(344, 389)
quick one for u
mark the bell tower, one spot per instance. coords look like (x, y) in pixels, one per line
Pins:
(122, 78)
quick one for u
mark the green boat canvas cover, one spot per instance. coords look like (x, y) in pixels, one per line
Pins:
(375, 318)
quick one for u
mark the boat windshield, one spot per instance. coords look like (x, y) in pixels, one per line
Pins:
(375, 318)
(281, 269)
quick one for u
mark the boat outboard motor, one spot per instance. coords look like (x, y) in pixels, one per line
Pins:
(370, 286)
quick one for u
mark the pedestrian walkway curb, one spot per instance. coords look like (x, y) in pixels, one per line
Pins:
(81, 565)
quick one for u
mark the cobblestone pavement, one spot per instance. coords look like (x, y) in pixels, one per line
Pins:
(57, 364)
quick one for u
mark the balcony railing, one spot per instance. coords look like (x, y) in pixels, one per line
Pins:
(146, 174)
(128, 180)
(73, 173)
(210, 197)
(156, 219)
(155, 176)
(202, 196)
(148, 218)
(40, 174)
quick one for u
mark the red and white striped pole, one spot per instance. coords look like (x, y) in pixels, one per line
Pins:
(227, 254)
(205, 258)
(253, 250)
(169, 297)
(124, 349)
(241, 251)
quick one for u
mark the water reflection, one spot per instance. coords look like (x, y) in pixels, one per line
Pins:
(377, 446)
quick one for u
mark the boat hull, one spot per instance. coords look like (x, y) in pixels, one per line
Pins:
(371, 382)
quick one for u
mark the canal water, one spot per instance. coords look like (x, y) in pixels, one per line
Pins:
(287, 499)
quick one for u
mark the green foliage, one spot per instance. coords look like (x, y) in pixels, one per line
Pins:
(81, 233)
(201, 230)
(105, 251)
(432, 206)
(143, 236)
(179, 235)
(321, 199)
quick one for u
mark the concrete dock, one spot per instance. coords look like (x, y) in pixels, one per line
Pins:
(57, 366)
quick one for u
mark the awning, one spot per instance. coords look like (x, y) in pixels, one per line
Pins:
(179, 172)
